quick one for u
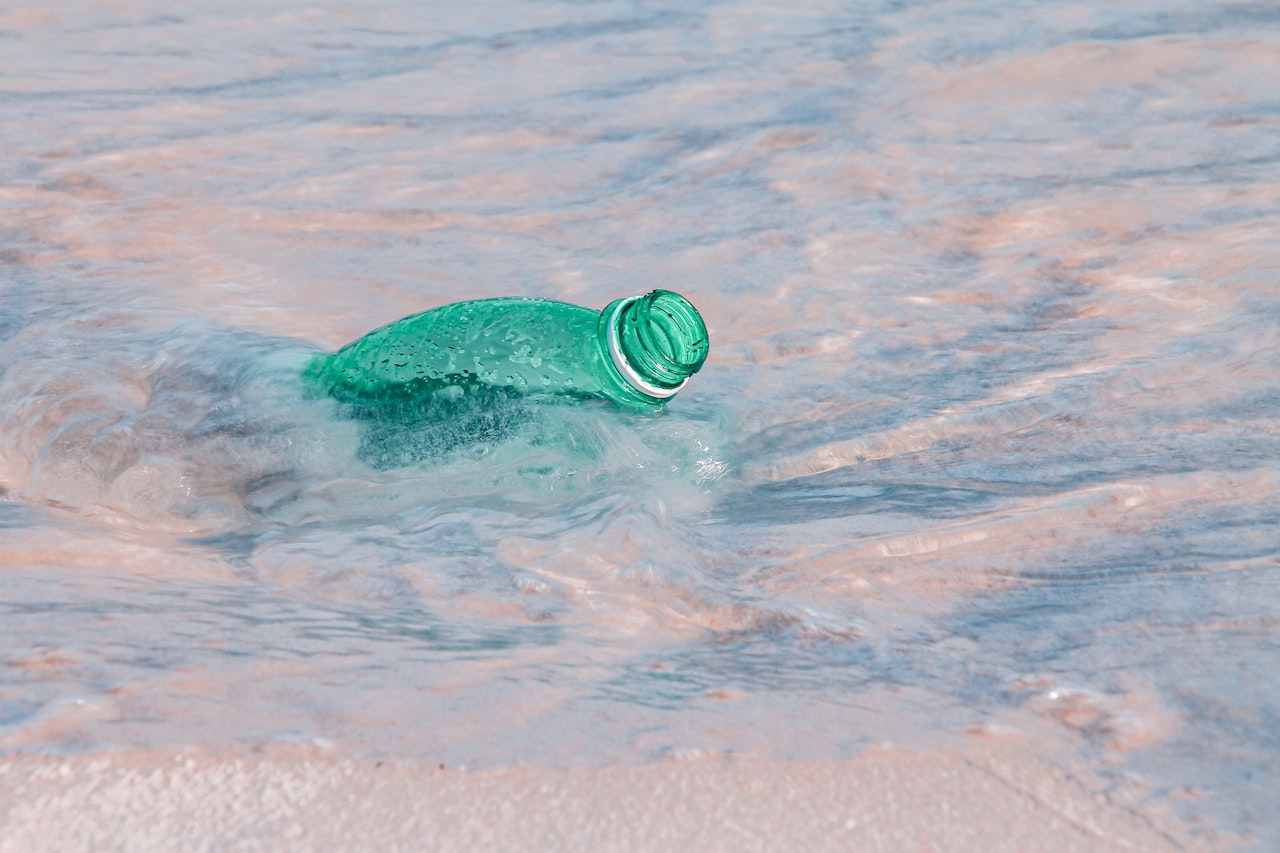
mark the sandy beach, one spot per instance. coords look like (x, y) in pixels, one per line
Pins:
(885, 800)
(964, 537)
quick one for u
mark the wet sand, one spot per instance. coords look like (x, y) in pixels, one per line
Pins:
(885, 800)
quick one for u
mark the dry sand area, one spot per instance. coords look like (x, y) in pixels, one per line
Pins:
(884, 800)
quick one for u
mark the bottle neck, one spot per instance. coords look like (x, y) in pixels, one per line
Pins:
(655, 342)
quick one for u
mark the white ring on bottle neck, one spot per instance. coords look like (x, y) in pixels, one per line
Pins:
(624, 367)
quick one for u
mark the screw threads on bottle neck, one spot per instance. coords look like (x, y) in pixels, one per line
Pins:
(656, 341)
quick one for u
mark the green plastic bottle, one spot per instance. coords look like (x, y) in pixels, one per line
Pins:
(637, 352)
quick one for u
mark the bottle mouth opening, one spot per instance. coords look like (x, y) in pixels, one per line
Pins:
(657, 341)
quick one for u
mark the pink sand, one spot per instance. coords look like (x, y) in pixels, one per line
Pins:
(885, 800)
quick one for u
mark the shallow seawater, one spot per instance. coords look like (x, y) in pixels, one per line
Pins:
(986, 446)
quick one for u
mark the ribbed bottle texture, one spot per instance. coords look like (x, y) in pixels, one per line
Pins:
(637, 352)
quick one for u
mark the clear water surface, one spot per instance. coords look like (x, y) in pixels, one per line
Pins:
(986, 446)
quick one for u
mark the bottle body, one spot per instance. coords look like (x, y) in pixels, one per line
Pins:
(637, 352)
